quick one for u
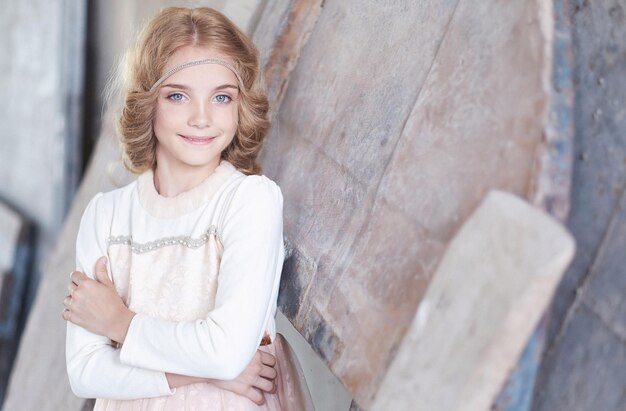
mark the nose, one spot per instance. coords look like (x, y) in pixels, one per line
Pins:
(200, 116)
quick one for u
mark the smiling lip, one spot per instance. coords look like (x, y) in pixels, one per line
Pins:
(198, 140)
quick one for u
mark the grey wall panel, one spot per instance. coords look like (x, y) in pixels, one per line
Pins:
(41, 73)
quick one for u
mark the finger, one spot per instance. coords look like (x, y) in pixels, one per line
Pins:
(274, 387)
(67, 301)
(66, 314)
(77, 277)
(71, 288)
(101, 271)
(255, 395)
(268, 372)
(267, 358)
(264, 385)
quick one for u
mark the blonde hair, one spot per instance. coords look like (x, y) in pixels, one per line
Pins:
(171, 29)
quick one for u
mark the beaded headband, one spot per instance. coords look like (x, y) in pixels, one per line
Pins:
(196, 63)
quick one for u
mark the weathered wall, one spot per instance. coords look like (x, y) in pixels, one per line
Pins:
(585, 363)
(41, 76)
(387, 137)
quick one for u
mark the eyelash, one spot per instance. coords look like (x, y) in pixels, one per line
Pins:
(173, 95)
(223, 102)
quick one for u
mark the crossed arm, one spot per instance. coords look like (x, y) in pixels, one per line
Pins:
(95, 306)
(158, 355)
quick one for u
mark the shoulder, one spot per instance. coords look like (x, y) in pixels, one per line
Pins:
(259, 188)
(255, 211)
(255, 198)
(107, 200)
(102, 204)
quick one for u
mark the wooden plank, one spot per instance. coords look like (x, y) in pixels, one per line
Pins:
(492, 285)
(382, 156)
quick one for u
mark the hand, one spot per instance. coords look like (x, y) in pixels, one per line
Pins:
(96, 306)
(256, 379)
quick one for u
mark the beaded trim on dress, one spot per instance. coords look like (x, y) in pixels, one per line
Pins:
(184, 240)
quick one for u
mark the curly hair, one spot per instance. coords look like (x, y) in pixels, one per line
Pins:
(171, 29)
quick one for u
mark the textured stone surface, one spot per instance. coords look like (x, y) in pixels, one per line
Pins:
(605, 290)
(599, 177)
(592, 292)
(592, 341)
(553, 169)
(587, 371)
(281, 48)
(387, 137)
(478, 313)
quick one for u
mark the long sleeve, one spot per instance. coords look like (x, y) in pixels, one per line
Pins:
(222, 344)
(93, 364)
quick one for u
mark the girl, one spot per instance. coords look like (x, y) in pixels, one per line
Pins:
(165, 328)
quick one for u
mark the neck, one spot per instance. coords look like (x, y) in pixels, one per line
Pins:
(171, 181)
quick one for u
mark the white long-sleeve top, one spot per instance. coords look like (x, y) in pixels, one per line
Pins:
(164, 258)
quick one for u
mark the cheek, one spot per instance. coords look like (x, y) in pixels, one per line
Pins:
(164, 118)
(230, 120)
(159, 117)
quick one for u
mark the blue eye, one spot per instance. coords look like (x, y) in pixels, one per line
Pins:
(176, 97)
(222, 98)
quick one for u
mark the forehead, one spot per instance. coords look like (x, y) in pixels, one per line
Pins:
(193, 53)
(211, 73)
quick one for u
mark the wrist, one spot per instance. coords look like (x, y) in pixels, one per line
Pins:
(121, 324)
(177, 380)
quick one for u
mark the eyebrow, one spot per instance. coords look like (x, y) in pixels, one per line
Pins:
(186, 88)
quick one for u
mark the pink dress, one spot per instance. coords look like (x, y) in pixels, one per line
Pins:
(172, 292)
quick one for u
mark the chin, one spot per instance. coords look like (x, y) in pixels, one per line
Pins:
(201, 162)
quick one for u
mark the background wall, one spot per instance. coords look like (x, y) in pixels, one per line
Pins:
(585, 363)
(41, 74)
(394, 121)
